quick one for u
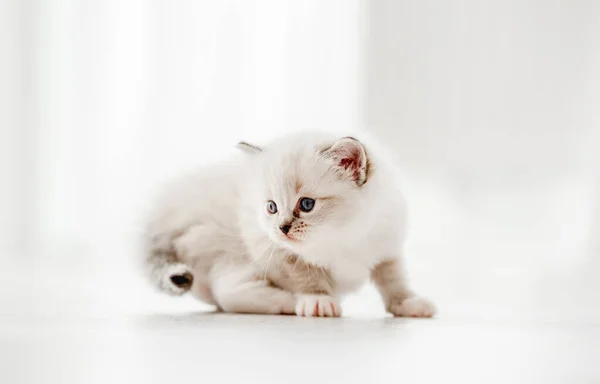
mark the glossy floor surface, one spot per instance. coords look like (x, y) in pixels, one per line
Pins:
(82, 339)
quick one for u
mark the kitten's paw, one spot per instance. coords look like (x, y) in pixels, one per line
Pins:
(177, 280)
(318, 306)
(413, 307)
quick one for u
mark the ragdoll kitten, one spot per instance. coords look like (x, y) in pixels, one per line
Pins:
(285, 229)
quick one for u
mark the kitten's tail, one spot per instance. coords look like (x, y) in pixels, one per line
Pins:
(167, 272)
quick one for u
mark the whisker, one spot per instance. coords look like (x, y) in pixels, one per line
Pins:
(295, 264)
(326, 277)
(312, 277)
(268, 261)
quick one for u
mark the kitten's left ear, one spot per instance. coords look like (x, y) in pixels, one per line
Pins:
(249, 148)
(349, 155)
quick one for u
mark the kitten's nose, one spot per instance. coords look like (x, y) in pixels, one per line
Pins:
(285, 228)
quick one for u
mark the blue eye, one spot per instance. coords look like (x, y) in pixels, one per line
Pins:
(271, 207)
(306, 204)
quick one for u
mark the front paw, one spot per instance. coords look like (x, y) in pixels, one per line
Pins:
(318, 306)
(413, 307)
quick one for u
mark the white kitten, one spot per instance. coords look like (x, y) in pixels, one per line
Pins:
(286, 229)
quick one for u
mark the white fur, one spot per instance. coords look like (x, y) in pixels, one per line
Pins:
(217, 222)
(414, 307)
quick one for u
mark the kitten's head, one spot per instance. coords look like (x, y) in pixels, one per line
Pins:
(308, 187)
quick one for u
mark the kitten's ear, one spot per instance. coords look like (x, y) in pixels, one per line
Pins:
(249, 148)
(349, 155)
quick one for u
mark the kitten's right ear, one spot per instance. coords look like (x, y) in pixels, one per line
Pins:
(350, 158)
(249, 148)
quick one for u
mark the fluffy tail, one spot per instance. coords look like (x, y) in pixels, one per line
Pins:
(167, 272)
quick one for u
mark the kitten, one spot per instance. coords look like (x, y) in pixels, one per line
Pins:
(285, 229)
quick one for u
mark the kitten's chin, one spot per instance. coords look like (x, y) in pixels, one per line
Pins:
(284, 241)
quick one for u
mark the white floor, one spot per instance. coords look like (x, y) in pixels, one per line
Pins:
(515, 275)
(82, 339)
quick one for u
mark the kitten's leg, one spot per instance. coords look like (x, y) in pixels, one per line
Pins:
(314, 287)
(237, 288)
(390, 280)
